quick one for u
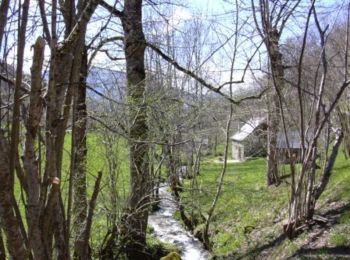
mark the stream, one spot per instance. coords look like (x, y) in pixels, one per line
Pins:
(169, 230)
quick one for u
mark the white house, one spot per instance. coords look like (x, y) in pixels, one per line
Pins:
(252, 127)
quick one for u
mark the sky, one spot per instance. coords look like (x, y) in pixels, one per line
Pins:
(217, 19)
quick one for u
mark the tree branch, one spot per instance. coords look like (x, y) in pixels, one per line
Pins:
(111, 9)
(200, 79)
(88, 224)
(81, 23)
(44, 20)
(328, 170)
(101, 44)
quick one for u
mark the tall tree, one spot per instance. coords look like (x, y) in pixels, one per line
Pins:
(270, 19)
(308, 185)
(9, 212)
(134, 222)
(45, 212)
(64, 78)
(4, 8)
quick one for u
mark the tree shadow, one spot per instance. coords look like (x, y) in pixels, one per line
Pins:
(337, 211)
(256, 251)
(285, 176)
(332, 215)
(339, 252)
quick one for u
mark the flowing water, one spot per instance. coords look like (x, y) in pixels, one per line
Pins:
(169, 230)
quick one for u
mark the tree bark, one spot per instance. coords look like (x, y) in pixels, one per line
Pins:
(16, 114)
(79, 152)
(14, 238)
(343, 112)
(82, 248)
(173, 174)
(318, 190)
(135, 221)
(9, 213)
(30, 162)
(275, 106)
(2, 247)
(64, 75)
(4, 7)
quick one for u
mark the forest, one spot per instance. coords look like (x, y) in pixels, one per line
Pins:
(178, 129)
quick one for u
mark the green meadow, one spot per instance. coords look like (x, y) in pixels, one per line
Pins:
(249, 215)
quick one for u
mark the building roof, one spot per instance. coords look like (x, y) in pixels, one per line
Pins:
(248, 128)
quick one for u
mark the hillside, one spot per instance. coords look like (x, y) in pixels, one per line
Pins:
(249, 216)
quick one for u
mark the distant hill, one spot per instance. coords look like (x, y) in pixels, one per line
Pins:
(108, 82)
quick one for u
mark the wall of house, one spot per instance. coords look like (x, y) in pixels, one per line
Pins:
(237, 151)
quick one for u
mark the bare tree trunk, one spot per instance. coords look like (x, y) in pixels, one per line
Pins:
(2, 247)
(55, 132)
(9, 213)
(275, 107)
(343, 113)
(270, 25)
(198, 154)
(64, 76)
(14, 238)
(4, 7)
(220, 185)
(16, 99)
(318, 190)
(172, 170)
(79, 152)
(302, 205)
(82, 248)
(272, 160)
(305, 193)
(135, 221)
(227, 143)
(58, 78)
(30, 162)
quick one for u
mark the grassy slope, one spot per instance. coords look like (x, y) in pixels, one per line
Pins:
(247, 210)
(97, 161)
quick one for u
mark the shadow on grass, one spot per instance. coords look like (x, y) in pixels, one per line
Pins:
(252, 253)
(256, 251)
(286, 176)
(339, 252)
(332, 215)
(342, 167)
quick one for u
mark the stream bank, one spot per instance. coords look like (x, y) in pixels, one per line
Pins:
(169, 230)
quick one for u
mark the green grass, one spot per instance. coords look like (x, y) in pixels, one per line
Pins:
(244, 217)
(339, 187)
(245, 203)
(339, 190)
(339, 239)
(97, 160)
